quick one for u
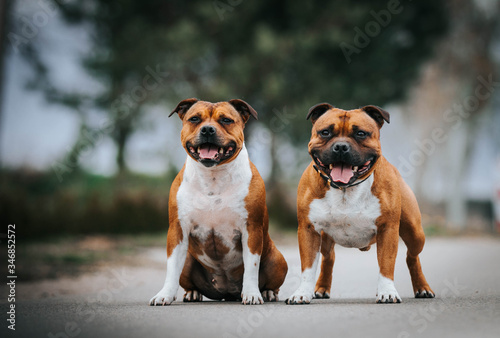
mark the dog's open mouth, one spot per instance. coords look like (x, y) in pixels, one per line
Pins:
(344, 173)
(210, 153)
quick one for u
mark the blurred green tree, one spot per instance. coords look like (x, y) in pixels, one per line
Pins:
(274, 54)
(281, 56)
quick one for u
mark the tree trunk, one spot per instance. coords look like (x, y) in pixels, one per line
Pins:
(123, 135)
(124, 129)
(273, 180)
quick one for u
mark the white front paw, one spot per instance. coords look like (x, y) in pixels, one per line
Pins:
(387, 292)
(251, 296)
(164, 297)
(388, 297)
(300, 297)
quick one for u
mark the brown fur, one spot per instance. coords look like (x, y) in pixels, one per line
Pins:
(400, 215)
(211, 114)
(196, 275)
(174, 235)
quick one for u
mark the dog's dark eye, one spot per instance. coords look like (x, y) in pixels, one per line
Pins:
(226, 120)
(325, 133)
(361, 134)
(194, 119)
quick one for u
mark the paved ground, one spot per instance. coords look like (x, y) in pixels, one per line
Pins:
(464, 273)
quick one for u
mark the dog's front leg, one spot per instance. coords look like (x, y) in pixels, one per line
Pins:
(252, 243)
(177, 245)
(387, 250)
(309, 248)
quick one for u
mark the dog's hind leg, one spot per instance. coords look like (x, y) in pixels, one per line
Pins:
(272, 273)
(324, 283)
(412, 233)
(186, 281)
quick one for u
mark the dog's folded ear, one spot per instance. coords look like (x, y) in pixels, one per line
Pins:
(183, 107)
(316, 111)
(378, 114)
(244, 109)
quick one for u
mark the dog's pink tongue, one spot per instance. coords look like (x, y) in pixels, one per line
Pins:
(208, 151)
(341, 172)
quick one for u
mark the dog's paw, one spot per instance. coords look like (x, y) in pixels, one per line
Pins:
(192, 296)
(251, 297)
(388, 298)
(299, 297)
(269, 296)
(387, 292)
(162, 298)
(425, 292)
(321, 293)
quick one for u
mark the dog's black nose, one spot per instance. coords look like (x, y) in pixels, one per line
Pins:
(341, 148)
(207, 130)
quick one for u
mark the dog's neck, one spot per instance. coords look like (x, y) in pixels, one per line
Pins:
(235, 171)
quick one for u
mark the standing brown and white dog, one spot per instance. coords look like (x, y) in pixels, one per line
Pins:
(352, 196)
(218, 243)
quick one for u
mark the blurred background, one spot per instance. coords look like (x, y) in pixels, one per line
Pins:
(86, 87)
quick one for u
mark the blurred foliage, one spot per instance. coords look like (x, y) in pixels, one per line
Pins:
(273, 54)
(278, 55)
(41, 206)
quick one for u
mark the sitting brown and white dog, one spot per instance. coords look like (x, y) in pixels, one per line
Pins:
(352, 196)
(218, 243)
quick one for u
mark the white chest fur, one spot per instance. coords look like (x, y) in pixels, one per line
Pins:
(212, 201)
(349, 217)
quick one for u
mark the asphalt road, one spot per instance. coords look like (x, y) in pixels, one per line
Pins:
(464, 273)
